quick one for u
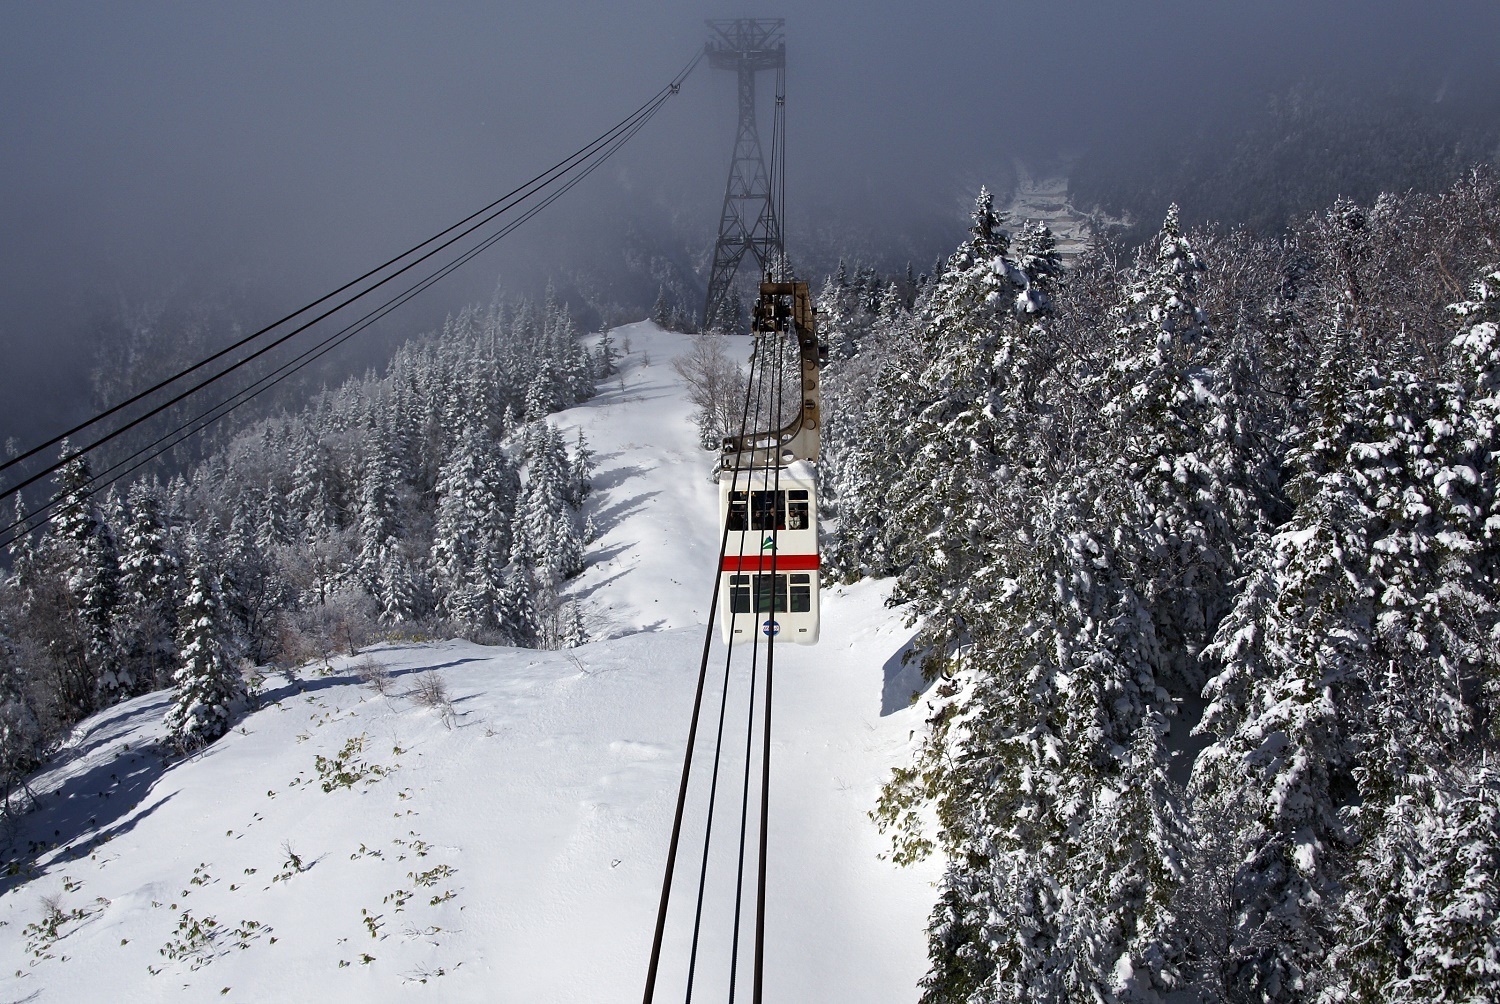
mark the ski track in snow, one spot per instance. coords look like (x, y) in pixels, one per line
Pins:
(513, 849)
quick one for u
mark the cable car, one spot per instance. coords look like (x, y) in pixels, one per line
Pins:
(768, 501)
(769, 575)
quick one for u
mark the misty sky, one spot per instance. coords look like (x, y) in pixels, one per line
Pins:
(148, 148)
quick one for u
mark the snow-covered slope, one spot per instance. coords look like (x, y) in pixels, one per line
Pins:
(652, 567)
(344, 845)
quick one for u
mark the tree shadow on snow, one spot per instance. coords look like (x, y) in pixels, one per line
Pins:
(312, 685)
(609, 554)
(615, 476)
(441, 665)
(109, 726)
(610, 516)
(85, 812)
(585, 593)
(91, 808)
(903, 683)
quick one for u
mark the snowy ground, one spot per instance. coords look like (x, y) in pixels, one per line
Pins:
(343, 845)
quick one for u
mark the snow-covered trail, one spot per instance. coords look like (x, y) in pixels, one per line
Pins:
(341, 845)
(1041, 196)
(1045, 200)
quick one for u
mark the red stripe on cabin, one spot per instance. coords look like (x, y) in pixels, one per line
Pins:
(762, 563)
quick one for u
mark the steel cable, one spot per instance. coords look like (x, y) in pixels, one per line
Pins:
(765, 750)
(328, 344)
(654, 965)
(505, 204)
(724, 702)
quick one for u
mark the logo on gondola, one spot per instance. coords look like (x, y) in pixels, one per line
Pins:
(769, 544)
(770, 628)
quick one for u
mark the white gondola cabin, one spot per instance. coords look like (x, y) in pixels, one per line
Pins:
(769, 576)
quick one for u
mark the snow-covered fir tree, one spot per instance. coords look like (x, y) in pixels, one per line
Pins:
(208, 681)
(472, 530)
(149, 573)
(661, 311)
(548, 537)
(1176, 481)
(20, 730)
(396, 587)
(79, 548)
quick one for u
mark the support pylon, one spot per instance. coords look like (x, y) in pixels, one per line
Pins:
(748, 221)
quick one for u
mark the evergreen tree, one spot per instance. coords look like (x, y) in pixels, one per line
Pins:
(48, 611)
(377, 519)
(253, 586)
(208, 682)
(868, 405)
(1027, 759)
(149, 571)
(580, 472)
(605, 357)
(1120, 927)
(90, 564)
(472, 531)
(307, 501)
(396, 588)
(1286, 653)
(517, 614)
(542, 394)
(1165, 425)
(1455, 924)
(572, 633)
(547, 533)
(272, 529)
(1421, 918)
(661, 312)
(1036, 255)
(99, 605)
(75, 516)
(969, 440)
(20, 730)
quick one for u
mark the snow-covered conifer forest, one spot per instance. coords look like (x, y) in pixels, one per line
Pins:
(1202, 544)
(432, 500)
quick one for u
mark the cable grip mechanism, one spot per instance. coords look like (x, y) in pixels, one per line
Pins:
(784, 308)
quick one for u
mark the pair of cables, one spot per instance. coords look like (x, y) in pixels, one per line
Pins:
(767, 359)
(776, 182)
(529, 199)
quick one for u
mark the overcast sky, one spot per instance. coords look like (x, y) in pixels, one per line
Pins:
(283, 147)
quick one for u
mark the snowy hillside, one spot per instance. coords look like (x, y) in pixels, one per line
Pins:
(343, 844)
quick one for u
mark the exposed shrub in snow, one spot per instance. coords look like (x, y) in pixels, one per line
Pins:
(430, 690)
(375, 675)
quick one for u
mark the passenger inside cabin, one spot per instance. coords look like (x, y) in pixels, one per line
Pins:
(797, 514)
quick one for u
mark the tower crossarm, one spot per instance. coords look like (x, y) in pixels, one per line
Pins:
(747, 43)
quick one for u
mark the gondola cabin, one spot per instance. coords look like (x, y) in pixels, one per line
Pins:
(769, 576)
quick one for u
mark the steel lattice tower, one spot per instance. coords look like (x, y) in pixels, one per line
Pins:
(749, 220)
